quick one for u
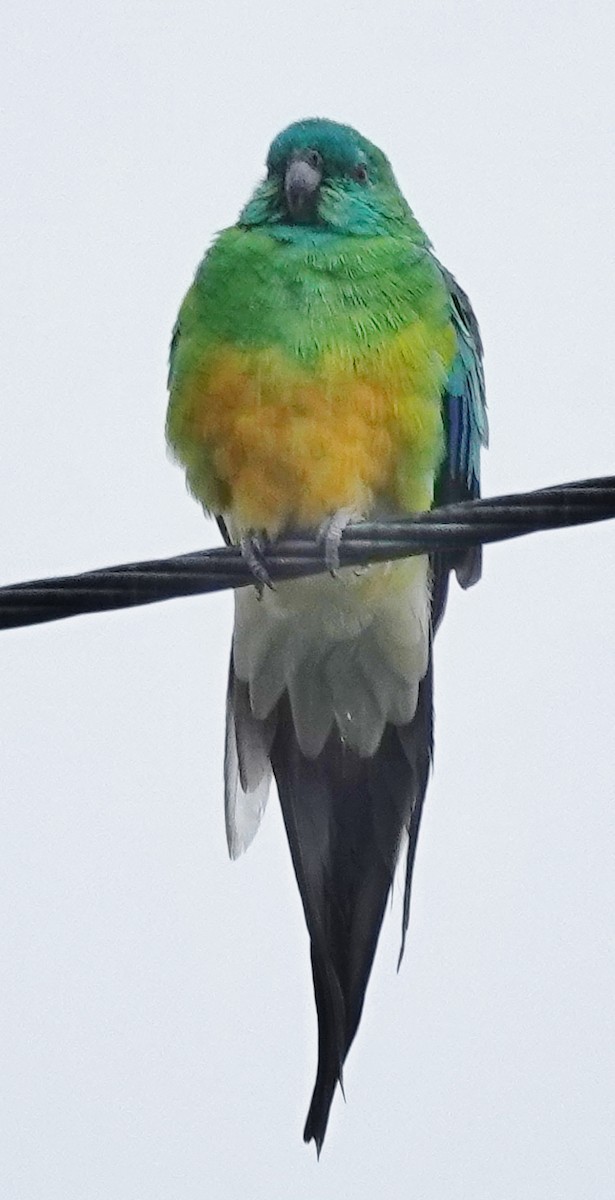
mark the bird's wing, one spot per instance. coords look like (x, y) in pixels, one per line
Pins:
(466, 430)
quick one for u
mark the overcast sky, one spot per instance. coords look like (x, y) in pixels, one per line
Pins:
(158, 1025)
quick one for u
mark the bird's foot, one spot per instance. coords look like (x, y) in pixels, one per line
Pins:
(253, 546)
(330, 536)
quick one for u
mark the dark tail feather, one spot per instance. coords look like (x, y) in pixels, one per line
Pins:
(417, 740)
(344, 818)
(330, 1056)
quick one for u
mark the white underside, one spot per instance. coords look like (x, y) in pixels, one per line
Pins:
(350, 650)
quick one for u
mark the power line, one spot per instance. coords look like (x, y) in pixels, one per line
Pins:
(451, 528)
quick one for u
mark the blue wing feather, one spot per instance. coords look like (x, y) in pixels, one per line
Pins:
(464, 413)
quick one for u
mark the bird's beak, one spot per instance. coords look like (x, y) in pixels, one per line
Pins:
(301, 184)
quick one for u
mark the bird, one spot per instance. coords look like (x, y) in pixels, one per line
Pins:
(325, 367)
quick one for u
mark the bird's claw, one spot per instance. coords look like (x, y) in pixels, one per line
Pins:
(253, 546)
(330, 535)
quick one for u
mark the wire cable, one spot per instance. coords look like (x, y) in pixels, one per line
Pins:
(451, 528)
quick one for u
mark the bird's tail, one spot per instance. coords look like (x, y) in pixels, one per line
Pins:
(345, 818)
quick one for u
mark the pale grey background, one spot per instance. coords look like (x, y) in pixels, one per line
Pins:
(158, 1027)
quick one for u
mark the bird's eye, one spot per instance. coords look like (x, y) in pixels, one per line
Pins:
(360, 173)
(314, 159)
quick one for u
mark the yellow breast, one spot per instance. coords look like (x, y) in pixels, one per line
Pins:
(276, 443)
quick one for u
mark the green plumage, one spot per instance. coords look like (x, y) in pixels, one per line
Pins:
(315, 293)
(323, 360)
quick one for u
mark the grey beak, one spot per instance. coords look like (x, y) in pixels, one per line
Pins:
(301, 184)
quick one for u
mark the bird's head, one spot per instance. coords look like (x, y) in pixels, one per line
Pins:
(326, 177)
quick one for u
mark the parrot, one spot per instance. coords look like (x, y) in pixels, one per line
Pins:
(325, 367)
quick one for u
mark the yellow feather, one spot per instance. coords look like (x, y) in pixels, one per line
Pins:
(291, 444)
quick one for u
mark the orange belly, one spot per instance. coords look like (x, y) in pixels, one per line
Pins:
(286, 444)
